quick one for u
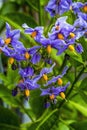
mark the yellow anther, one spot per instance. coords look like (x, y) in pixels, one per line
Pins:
(11, 60)
(60, 36)
(33, 34)
(52, 97)
(62, 95)
(7, 41)
(57, 27)
(27, 93)
(49, 49)
(60, 82)
(71, 48)
(27, 55)
(85, 8)
(45, 77)
(72, 35)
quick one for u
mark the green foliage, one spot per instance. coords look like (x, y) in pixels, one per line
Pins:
(8, 120)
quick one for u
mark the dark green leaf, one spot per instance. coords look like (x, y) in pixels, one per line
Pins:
(9, 7)
(8, 120)
(80, 125)
(21, 18)
(37, 103)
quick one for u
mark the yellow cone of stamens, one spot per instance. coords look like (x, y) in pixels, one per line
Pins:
(60, 36)
(72, 35)
(85, 8)
(27, 55)
(45, 77)
(60, 82)
(57, 27)
(11, 60)
(49, 49)
(71, 48)
(52, 97)
(62, 95)
(33, 34)
(7, 41)
(27, 93)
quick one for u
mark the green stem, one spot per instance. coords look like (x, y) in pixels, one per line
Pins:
(64, 62)
(69, 92)
(40, 18)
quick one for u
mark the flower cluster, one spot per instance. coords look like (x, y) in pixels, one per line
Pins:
(62, 36)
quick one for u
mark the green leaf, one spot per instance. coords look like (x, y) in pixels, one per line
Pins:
(83, 85)
(9, 7)
(79, 107)
(83, 41)
(83, 95)
(21, 18)
(8, 120)
(75, 56)
(7, 97)
(33, 6)
(80, 125)
(37, 103)
(50, 121)
(62, 126)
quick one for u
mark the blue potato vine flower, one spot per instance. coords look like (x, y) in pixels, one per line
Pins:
(69, 45)
(60, 23)
(11, 36)
(81, 24)
(53, 92)
(45, 71)
(36, 58)
(58, 78)
(28, 84)
(49, 44)
(26, 72)
(35, 33)
(26, 53)
(52, 7)
(79, 48)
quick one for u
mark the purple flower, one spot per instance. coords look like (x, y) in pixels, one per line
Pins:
(26, 72)
(81, 24)
(54, 79)
(26, 53)
(48, 44)
(11, 36)
(35, 33)
(79, 48)
(29, 84)
(52, 7)
(46, 70)
(54, 91)
(36, 58)
(60, 23)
